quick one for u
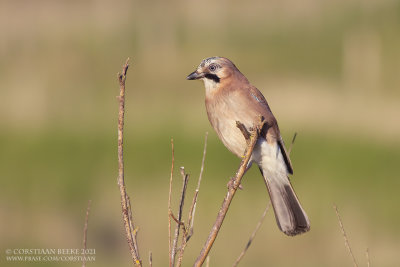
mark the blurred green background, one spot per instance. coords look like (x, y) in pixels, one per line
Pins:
(329, 69)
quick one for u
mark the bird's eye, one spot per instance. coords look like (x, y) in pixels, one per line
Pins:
(212, 67)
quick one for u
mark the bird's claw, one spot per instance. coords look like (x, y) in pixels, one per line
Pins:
(231, 184)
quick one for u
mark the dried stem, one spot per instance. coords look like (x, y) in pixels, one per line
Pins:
(367, 255)
(176, 220)
(234, 184)
(253, 235)
(150, 259)
(85, 228)
(192, 210)
(188, 230)
(183, 245)
(185, 178)
(130, 231)
(169, 206)
(346, 241)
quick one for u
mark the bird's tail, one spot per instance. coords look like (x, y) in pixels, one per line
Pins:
(290, 216)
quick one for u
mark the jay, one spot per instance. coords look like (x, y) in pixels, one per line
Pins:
(230, 97)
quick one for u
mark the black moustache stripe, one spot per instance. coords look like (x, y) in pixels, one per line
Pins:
(213, 77)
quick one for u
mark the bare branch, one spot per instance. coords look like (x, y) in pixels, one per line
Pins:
(169, 206)
(253, 235)
(202, 162)
(185, 178)
(175, 219)
(85, 228)
(230, 194)
(135, 230)
(346, 241)
(192, 210)
(183, 245)
(125, 203)
(188, 230)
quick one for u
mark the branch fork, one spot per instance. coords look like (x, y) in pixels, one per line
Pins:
(176, 252)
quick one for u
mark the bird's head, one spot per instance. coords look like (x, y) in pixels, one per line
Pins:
(214, 71)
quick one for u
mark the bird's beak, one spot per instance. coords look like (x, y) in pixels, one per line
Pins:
(195, 76)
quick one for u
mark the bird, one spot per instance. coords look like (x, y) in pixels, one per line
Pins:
(230, 97)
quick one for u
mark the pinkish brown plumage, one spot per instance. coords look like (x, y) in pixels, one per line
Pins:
(230, 98)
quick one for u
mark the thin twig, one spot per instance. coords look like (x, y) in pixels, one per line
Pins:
(202, 162)
(125, 203)
(85, 228)
(253, 235)
(346, 241)
(135, 230)
(367, 255)
(188, 230)
(175, 219)
(192, 212)
(185, 178)
(150, 259)
(208, 261)
(196, 193)
(234, 184)
(183, 246)
(169, 206)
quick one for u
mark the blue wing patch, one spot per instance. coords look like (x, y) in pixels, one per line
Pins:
(256, 98)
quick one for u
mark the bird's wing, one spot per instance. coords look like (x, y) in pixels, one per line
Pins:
(271, 129)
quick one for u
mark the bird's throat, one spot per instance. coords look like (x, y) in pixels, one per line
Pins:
(210, 85)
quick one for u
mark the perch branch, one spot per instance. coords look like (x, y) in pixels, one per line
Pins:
(130, 231)
(85, 228)
(260, 222)
(230, 194)
(346, 241)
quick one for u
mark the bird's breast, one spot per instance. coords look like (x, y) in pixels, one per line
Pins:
(223, 114)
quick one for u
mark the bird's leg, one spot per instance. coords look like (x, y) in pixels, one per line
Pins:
(247, 135)
(244, 131)
(230, 183)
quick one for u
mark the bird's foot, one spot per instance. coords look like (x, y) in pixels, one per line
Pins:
(231, 184)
